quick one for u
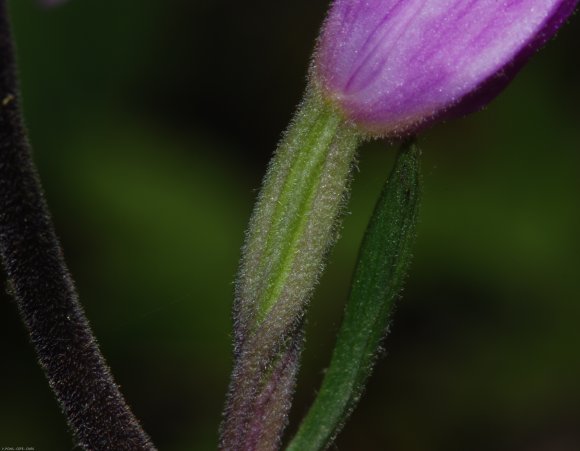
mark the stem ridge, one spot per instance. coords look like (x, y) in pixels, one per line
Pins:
(291, 230)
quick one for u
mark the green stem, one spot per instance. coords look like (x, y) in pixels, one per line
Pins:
(383, 263)
(293, 226)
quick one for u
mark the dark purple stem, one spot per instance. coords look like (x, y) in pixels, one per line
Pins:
(44, 291)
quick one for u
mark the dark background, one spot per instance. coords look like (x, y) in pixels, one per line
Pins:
(152, 122)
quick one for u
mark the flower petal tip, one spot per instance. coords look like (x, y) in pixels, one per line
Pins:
(396, 66)
(50, 3)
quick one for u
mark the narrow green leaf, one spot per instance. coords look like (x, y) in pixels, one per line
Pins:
(384, 259)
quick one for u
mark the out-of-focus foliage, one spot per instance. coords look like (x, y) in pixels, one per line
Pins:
(152, 123)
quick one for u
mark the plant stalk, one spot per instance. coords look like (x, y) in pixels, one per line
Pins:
(292, 228)
(44, 291)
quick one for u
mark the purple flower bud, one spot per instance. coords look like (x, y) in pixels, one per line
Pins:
(394, 66)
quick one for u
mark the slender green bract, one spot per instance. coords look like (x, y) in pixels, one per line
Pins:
(384, 259)
(292, 228)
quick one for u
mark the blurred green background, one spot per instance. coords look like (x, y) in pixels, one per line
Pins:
(152, 122)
